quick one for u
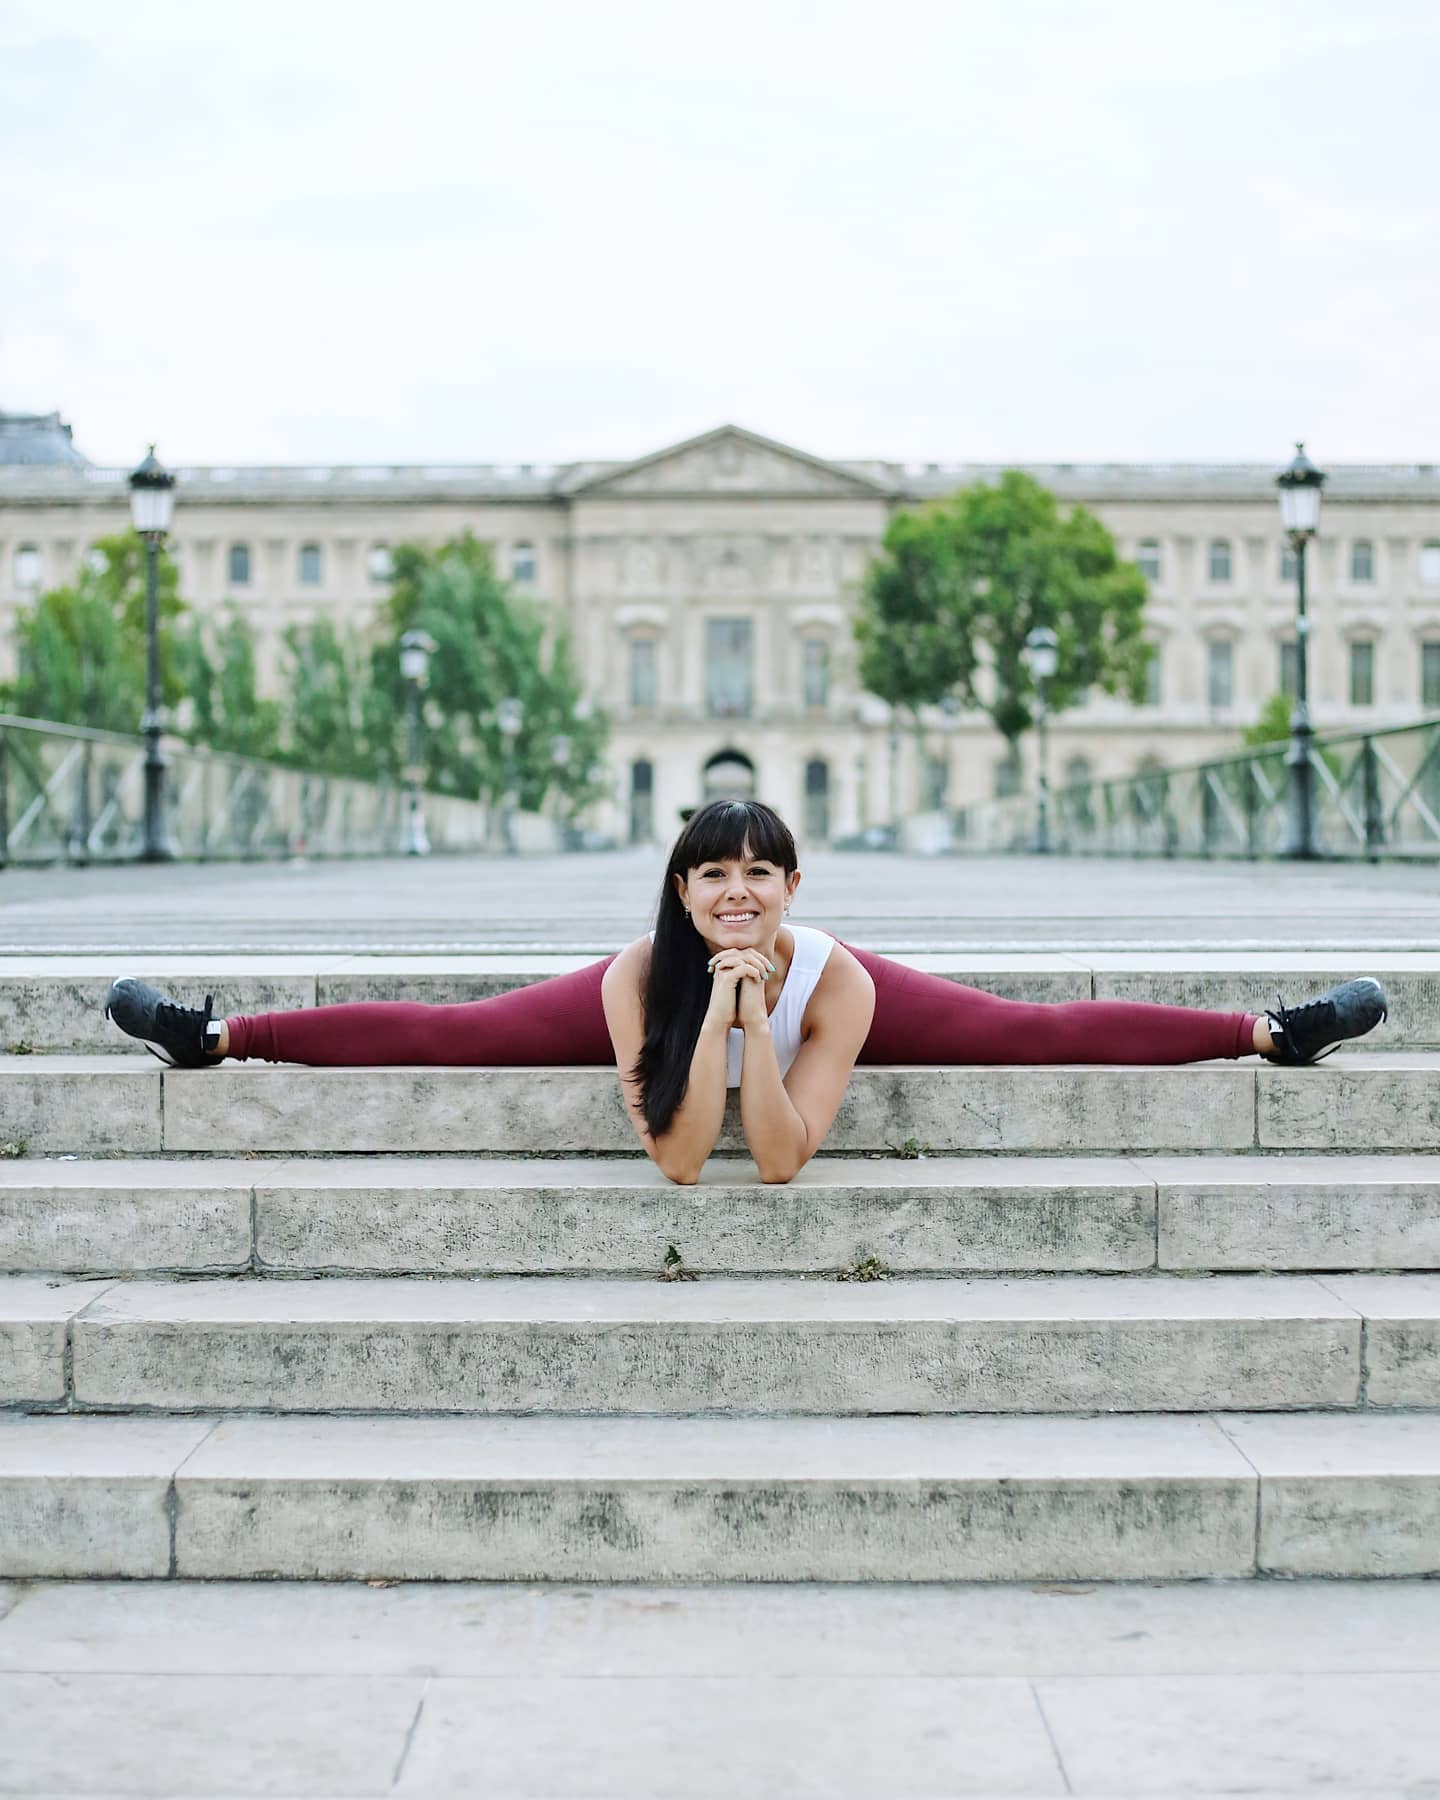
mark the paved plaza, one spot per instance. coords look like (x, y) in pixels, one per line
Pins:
(595, 903)
(885, 1693)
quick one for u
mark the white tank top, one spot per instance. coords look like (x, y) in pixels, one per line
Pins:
(812, 950)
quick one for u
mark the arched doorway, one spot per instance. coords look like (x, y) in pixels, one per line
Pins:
(729, 775)
(817, 800)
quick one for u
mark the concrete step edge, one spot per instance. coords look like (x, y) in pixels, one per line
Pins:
(962, 1497)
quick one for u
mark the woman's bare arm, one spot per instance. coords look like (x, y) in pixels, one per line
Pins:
(785, 1121)
(681, 1151)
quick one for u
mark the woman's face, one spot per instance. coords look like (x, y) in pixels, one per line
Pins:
(737, 905)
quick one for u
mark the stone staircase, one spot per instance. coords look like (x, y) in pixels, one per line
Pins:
(1023, 1323)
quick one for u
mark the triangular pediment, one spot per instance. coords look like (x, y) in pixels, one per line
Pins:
(729, 461)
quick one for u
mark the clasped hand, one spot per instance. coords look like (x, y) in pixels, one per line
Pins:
(738, 995)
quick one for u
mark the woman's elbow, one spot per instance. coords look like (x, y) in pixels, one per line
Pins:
(683, 1171)
(776, 1174)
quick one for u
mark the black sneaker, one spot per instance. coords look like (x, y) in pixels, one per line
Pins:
(178, 1035)
(1303, 1034)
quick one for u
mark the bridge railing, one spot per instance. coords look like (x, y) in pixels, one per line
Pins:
(1376, 794)
(69, 794)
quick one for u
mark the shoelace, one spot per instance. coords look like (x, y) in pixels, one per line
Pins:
(1283, 1014)
(170, 1012)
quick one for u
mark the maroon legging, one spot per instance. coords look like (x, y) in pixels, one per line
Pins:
(919, 1018)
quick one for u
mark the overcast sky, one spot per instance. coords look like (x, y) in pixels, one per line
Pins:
(456, 230)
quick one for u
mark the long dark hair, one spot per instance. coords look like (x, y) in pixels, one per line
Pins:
(678, 990)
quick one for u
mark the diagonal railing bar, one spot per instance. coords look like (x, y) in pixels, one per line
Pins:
(70, 793)
(1375, 793)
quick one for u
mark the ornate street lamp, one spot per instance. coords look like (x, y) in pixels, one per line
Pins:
(510, 717)
(1042, 658)
(1300, 487)
(152, 500)
(416, 649)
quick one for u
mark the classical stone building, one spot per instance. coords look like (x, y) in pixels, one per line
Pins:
(710, 589)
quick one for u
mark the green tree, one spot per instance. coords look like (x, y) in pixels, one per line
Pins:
(218, 672)
(959, 585)
(81, 648)
(324, 711)
(491, 645)
(1273, 724)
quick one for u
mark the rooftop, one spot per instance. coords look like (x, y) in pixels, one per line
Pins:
(37, 440)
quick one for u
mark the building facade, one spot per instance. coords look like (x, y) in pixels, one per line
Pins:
(710, 590)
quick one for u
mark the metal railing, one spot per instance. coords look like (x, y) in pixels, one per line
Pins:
(1377, 794)
(69, 794)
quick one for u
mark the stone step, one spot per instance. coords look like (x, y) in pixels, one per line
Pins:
(1043, 1498)
(54, 1004)
(560, 1345)
(620, 1216)
(131, 1105)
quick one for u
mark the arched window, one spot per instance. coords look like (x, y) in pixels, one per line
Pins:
(817, 800)
(642, 801)
(310, 565)
(1077, 771)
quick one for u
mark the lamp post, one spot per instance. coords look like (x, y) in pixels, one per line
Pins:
(152, 500)
(1300, 487)
(416, 649)
(1042, 657)
(510, 716)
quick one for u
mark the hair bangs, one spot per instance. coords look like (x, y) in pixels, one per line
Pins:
(734, 831)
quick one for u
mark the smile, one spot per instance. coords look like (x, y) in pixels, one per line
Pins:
(735, 918)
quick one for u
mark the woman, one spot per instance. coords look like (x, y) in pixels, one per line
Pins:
(724, 994)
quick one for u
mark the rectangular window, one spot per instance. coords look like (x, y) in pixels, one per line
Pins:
(522, 564)
(1362, 560)
(1362, 674)
(729, 664)
(1220, 559)
(1289, 564)
(816, 671)
(378, 563)
(1290, 669)
(1154, 685)
(239, 565)
(1220, 673)
(937, 782)
(1007, 777)
(310, 565)
(1430, 674)
(27, 568)
(1147, 559)
(643, 684)
(1430, 564)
